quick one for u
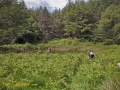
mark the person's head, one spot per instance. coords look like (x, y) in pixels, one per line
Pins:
(91, 53)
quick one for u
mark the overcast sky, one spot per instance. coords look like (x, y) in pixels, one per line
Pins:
(48, 3)
(51, 4)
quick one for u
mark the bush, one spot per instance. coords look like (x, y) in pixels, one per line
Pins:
(108, 42)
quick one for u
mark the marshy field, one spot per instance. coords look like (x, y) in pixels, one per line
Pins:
(67, 67)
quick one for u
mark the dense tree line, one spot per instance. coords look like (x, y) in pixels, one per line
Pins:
(94, 20)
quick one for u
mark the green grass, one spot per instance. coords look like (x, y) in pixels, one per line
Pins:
(57, 46)
(66, 68)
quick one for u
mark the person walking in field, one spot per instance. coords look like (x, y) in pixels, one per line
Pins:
(48, 50)
(91, 55)
(118, 64)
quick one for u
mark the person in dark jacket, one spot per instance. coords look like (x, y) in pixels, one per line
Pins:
(91, 55)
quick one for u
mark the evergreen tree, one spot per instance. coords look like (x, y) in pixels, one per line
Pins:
(109, 23)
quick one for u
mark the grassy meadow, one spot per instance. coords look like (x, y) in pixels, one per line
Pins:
(29, 67)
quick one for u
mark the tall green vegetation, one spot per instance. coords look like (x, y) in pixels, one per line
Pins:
(62, 71)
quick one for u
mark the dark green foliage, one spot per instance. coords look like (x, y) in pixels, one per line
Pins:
(94, 21)
(109, 23)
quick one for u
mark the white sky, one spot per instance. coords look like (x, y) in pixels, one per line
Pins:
(52, 3)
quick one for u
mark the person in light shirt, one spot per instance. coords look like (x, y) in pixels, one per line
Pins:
(48, 50)
(118, 64)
